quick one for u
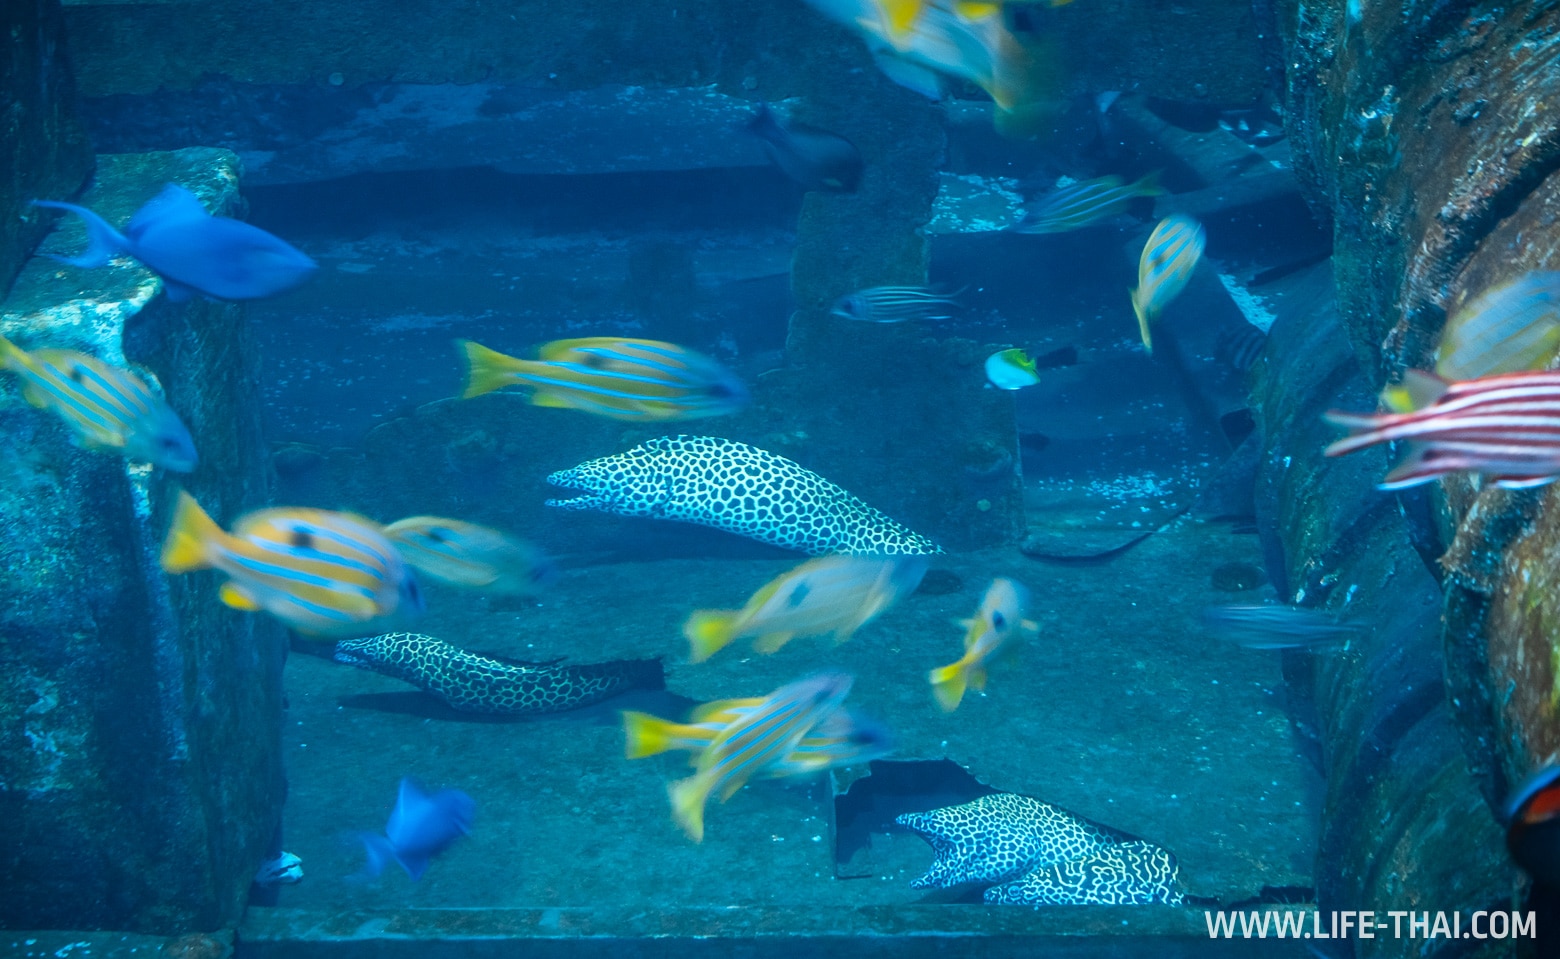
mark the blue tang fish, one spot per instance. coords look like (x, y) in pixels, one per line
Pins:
(174, 237)
(421, 826)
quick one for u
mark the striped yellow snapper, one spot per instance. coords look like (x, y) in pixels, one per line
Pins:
(105, 407)
(1509, 328)
(831, 594)
(622, 379)
(747, 747)
(1081, 204)
(1169, 257)
(841, 738)
(326, 574)
(999, 621)
(471, 556)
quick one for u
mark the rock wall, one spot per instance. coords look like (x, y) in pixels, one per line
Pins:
(140, 757)
(1423, 131)
(43, 144)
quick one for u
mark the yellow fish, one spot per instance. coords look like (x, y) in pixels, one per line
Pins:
(1169, 257)
(472, 556)
(999, 621)
(104, 406)
(748, 746)
(622, 379)
(840, 739)
(830, 594)
(326, 574)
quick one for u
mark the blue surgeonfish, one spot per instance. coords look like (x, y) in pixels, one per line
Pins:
(421, 826)
(106, 407)
(174, 237)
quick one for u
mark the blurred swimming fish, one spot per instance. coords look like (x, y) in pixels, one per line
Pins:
(1532, 817)
(421, 826)
(621, 379)
(814, 158)
(1277, 627)
(996, 625)
(476, 557)
(105, 407)
(830, 594)
(1238, 346)
(1512, 327)
(1169, 257)
(1077, 205)
(750, 745)
(322, 573)
(174, 237)
(1011, 370)
(894, 304)
(842, 738)
(1506, 427)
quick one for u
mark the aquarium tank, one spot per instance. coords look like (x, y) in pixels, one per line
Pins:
(1004, 479)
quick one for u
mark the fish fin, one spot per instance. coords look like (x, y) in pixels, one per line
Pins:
(190, 537)
(34, 396)
(103, 241)
(1413, 470)
(1148, 185)
(977, 678)
(688, 797)
(770, 643)
(176, 292)
(644, 734)
(732, 786)
(900, 15)
(948, 685)
(972, 10)
(172, 205)
(708, 631)
(380, 852)
(722, 709)
(550, 400)
(911, 76)
(237, 597)
(1143, 321)
(1417, 390)
(486, 370)
(11, 354)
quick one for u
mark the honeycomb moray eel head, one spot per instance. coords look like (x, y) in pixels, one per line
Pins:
(740, 489)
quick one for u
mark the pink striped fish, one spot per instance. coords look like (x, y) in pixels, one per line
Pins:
(1506, 427)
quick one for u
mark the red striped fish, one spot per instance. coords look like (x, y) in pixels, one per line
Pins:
(1506, 427)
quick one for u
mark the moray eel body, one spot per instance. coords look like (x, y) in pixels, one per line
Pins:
(1033, 853)
(473, 683)
(740, 489)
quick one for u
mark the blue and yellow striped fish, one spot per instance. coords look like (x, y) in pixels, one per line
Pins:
(105, 406)
(841, 738)
(750, 745)
(1169, 257)
(617, 378)
(471, 556)
(1509, 328)
(326, 574)
(1085, 203)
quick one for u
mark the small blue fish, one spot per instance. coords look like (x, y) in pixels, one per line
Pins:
(174, 237)
(421, 826)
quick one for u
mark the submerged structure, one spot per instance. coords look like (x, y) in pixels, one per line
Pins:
(1256, 684)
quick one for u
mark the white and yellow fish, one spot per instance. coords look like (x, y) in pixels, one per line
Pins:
(1011, 370)
(471, 556)
(996, 625)
(831, 594)
(1169, 257)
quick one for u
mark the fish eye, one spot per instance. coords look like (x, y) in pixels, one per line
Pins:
(998, 620)
(438, 534)
(301, 538)
(77, 374)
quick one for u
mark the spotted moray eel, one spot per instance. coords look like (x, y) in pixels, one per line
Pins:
(737, 488)
(474, 683)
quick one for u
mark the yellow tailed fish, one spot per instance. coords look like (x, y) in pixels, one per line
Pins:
(841, 738)
(471, 556)
(1169, 257)
(999, 621)
(1512, 327)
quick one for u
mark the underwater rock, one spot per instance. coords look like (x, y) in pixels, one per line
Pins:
(141, 752)
(737, 488)
(479, 683)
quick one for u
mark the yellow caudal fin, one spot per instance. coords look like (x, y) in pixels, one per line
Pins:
(948, 685)
(190, 537)
(1141, 310)
(1149, 185)
(644, 734)
(232, 595)
(899, 16)
(11, 355)
(724, 710)
(708, 631)
(977, 678)
(688, 798)
(486, 370)
(1418, 389)
(770, 643)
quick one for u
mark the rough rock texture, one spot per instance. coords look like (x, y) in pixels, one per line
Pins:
(1425, 131)
(140, 760)
(43, 145)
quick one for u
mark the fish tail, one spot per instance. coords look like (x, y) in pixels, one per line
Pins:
(1148, 185)
(380, 853)
(13, 356)
(1143, 322)
(103, 241)
(486, 370)
(644, 734)
(708, 631)
(189, 538)
(948, 684)
(688, 797)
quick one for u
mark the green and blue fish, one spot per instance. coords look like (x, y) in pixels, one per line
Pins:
(1169, 257)
(1086, 203)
